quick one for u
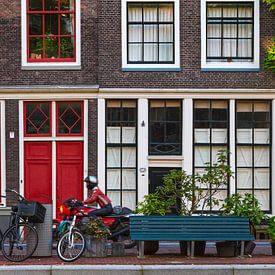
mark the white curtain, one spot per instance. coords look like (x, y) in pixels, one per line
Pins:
(153, 34)
(214, 33)
(244, 156)
(113, 178)
(244, 178)
(113, 157)
(128, 157)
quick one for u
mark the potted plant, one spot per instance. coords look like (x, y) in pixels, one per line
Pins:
(248, 206)
(188, 194)
(271, 233)
(96, 234)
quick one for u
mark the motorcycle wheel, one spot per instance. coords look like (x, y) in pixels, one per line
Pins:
(69, 251)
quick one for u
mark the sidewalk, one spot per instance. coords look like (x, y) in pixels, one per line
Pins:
(168, 254)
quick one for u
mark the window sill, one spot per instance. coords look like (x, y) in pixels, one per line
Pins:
(230, 69)
(51, 66)
(151, 69)
(164, 157)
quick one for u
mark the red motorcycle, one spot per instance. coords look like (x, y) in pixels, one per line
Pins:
(117, 222)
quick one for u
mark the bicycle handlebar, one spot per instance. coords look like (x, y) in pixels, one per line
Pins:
(14, 191)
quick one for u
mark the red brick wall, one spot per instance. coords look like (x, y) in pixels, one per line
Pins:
(191, 76)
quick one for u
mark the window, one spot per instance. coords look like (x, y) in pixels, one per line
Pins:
(165, 127)
(37, 118)
(253, 150)
(70, 118)
(50, 33)
(121, 152)
(150, 34)
(211, 124)
(229, 35)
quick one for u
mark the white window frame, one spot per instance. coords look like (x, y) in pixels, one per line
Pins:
(237, 66)
(3, 152)
(144, 67)
(49, 65)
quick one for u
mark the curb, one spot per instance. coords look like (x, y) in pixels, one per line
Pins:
(139, 269)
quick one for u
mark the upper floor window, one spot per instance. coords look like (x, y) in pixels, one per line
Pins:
(150, 34)
(50, 33)
(229, 39)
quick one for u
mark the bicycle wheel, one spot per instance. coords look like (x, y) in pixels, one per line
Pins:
(19, 242)
(70, 246)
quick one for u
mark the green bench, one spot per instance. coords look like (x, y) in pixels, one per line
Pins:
(190, 229)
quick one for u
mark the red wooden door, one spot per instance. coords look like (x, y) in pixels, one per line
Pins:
(69, 171)
(38, 171)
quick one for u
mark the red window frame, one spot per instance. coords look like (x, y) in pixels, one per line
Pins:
(25, 119)
(59, 36)
(82, 119)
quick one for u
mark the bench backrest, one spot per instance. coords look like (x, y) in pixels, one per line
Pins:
(194, 228)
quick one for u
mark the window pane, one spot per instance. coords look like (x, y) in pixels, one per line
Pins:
(66, 47)
(69, 118)
(202, 155)
(35, 24)
(214, 30)
(129, 199)
(244, 178)
(35, 48)
(244, 135)
(128, 134)
(213, 47)
(114, 196)
(166, 13)
(67, 5)
(113, 157)
(245, 30)
(166, 52)
(165, 33)
(261, 156)
(51, 47)
(151, 52)
(245, 48)
(113, 134)
(261, 178)
(113, 178)
(135, 52)
(134, 13)
(202, 135)
(128, 157)
(66, 24)
(263, 197)
(150, 13)
(35, 5)
(37, 118)
(150, 33)
(214, 10)
(244, 156)
(51, 24)
(51, 4)
(229, 48)
(135, 33)
(129, 179)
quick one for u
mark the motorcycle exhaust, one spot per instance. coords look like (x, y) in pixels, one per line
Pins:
(119, 232)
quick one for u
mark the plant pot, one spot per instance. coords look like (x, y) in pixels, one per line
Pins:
(227, 249)
(273, 247)
(198, 251)
(150, 247)
(95, 247)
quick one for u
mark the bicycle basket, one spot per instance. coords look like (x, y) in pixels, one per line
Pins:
(33, 210)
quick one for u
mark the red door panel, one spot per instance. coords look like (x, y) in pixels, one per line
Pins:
(38, 171)
(69, 171)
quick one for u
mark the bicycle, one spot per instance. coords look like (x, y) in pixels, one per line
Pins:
(72, 243)
(20, 240)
